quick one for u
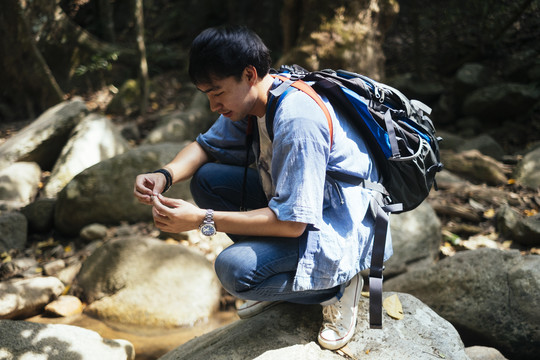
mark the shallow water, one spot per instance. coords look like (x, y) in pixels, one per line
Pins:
(149, 344)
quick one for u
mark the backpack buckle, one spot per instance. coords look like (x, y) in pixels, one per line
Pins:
(379, 94)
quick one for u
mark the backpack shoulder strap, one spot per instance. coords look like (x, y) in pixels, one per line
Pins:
(307, 89)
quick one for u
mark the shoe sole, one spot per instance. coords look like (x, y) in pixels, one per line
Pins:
(256, 309)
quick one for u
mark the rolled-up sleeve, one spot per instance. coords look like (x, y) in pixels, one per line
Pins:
(225, 141)
(300, 154)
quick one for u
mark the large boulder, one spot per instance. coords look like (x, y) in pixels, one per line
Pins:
(93, 140)
(289, 331)
(485, 144)
(27, 297)
(19, 184)
(184, 124)
(501, 101)
(28, 340)
(40, 215)
(103, 193)
(528, 171)
(471, 76)
(517, 227)
(146, 282)
(487, 294)
(44, 138)
(416, 237)
(13, 231)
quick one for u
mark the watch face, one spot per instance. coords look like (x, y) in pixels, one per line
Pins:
(208, 230)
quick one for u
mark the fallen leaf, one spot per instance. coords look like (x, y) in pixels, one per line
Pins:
(345, 351)
(365, 294)
(489, 214)
(530, 212)
(393, 307)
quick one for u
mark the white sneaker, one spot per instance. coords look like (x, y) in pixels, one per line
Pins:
(339, 319)
(251, 308)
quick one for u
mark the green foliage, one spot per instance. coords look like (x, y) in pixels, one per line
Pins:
(98, 62)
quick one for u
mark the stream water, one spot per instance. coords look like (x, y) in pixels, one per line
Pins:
(149, 344)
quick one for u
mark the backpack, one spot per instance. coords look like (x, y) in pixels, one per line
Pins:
(399, 135)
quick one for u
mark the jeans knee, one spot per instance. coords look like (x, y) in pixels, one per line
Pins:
(199, 184)
(234, 273)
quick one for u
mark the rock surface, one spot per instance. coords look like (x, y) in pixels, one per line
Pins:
(65, 305)
(40, 215)
(93, 140)
(27, 340)
(13, 231)
(416, 239)
(528, 171)
(289, 331)
(484, 353)
(19, 183)
(44, 137)
(522, 229)
(484, 293)
(104, 193)
(27, 297)
(182, 125)
(143, 281)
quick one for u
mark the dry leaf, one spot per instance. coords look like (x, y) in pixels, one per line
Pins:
(365, 294)
(393, 307)
(345, 351)
(531, 212)
(489, 214)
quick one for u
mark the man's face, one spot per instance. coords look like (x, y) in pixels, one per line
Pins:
(230, 97)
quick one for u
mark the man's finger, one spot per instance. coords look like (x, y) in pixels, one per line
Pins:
(161, 208)
(170, 202)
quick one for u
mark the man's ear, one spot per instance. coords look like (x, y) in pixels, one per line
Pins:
(250, 74)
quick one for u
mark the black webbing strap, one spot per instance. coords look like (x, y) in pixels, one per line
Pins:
(376, 269)
(249, 142)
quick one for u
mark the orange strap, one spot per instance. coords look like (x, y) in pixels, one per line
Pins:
(303, 86)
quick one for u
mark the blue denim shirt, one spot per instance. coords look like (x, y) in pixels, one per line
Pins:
(338, 241)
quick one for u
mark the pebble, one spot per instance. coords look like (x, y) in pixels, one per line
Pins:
(65, 305)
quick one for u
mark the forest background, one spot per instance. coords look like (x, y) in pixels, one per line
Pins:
(475, 62)
(54, 50)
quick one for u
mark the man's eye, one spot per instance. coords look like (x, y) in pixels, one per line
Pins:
(218, 94)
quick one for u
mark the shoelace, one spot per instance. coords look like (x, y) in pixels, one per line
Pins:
(332, 315)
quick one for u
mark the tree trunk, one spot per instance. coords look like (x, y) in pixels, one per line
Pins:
(106, 20)
(28, 86)
(143, 66)
(290, 21)
(346, 34)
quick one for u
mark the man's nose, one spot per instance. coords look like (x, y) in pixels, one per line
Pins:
(214, 105)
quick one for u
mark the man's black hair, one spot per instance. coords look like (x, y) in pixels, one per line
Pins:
(226, 51)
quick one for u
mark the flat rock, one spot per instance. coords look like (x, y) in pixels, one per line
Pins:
(146, 282)
(27, 340)
(27, 297)
(44, 138)
(289, 331)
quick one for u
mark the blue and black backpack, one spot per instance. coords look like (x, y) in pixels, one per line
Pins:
(399, 134)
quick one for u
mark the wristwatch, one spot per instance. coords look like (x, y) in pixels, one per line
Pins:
(208, 227)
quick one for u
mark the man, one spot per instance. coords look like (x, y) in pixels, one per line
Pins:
(305, 236)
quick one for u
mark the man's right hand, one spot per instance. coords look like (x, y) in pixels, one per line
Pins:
(149, 185)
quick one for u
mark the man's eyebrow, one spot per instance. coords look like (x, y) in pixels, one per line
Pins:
(213, 88)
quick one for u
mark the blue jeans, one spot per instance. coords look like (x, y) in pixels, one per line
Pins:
(254, 267)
